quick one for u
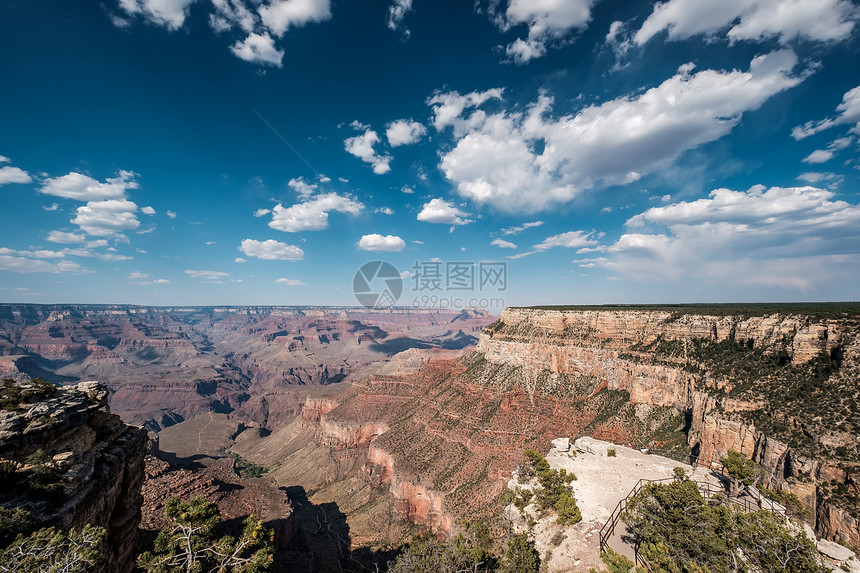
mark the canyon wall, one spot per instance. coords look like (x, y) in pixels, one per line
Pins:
(617, 347)
(94, 461)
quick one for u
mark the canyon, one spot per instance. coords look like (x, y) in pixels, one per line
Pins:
(377, 425)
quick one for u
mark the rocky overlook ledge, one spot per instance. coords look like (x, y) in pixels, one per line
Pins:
(69, 462)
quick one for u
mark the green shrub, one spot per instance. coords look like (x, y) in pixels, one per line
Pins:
(610, 452)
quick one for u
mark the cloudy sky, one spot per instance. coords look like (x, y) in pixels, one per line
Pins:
(260, 151)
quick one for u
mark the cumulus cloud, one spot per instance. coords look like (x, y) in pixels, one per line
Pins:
(67, 238)
(793, 238)
(448, 108)
(441, 211)
(171, 214)
(520, 228)
(271, 250)
(281, 15)
(240, 260)
(107, 218)
(820, 20)
(548, 21)
(262, 212)
(84, 188)
(28, 265)
(847, 112)
(229, 13)
(258, 49)
(378, 243)
(301, 187)
(362, 147)
(213, 277)
(137, 275)
(168, 13)
(147, 210)
(404, 132)
(312, 215)
(497, 158)
(503, 244)
(396, 14)
(289, 282)
(9, 174)
(569, 240)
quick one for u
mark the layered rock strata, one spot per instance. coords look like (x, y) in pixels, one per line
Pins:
(98, 462)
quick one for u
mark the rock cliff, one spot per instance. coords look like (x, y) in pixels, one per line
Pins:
(780, 388)
(72, 463)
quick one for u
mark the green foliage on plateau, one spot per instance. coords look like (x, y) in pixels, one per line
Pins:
(469, 550)
(49, 550)
(247, 469)
(689, 534)
(14, 522)
(520, 556)
(13, 394)
(742, 468)
(554, 491)
(188, 544)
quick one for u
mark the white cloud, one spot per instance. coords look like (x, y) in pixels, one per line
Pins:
(819, 156)
(9, 174)
(441, 211)
(547, 20)
(23, 264)
(258, 49)
(271, 250)
(793, 238)
(281, 15)
(302, 188)
(161, 281)
(4, 159)
(503, 244)
(519, 229)
(385, 210)
(407, 189)
(312, 215)
(404, 132)
(569, 240)
(171, 214)
(107, 218)
(448, 108)
(361, 146)
(137, 275)
(496, 159)
(147, 210)
(84, 188)
(848, 112)
(396, 14)
(240, 260)
(262, 212)
(207, 276)
(821, 177)
(53, 207)
(377, 243)
(229, 13)
(289, 282)
(821, 20)
(66, 238)
(168, 13)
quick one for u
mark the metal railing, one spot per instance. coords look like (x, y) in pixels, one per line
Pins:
(708, 491)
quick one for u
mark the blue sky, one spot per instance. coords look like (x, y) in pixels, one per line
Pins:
(260, 151)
